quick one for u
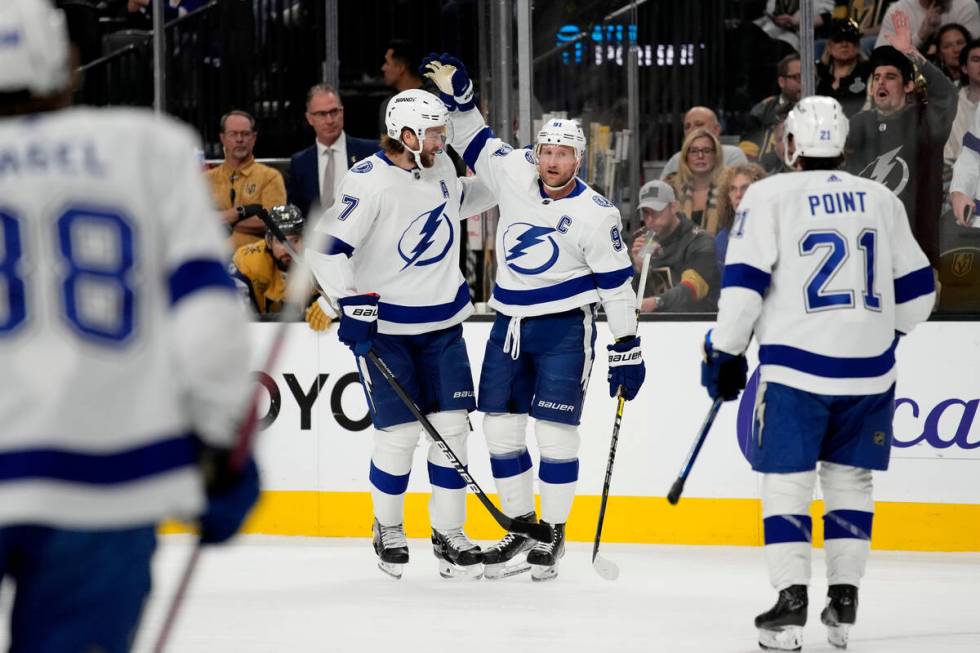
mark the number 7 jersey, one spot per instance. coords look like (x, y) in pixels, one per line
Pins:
(823, 267)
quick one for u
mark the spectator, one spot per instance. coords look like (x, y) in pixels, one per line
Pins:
(682, 272)
(969, 96)
(782, 20)
(732, 186)
(315, 173)
(927, 16)
(949, 43)
(400, 72)
(868, 14)
(843, 70)
(703, 118)
(765, 115)
(696, 182)
(240, 185)
(774, 161)
(899, 141)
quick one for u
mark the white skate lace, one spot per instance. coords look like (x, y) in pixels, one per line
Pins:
(504, 543)
(393, 537)
(457, 539)
(546, 547)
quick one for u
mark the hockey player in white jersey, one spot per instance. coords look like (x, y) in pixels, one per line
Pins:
(125, 355)
(964, 189)
(822, 266)
(559, 252)
(392, 264)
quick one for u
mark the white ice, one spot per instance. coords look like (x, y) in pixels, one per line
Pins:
(293, 595)
(281, 594)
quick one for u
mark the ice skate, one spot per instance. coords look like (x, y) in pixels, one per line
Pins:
(392, 548)
(544, 557)
(781, 628)
(508, 557)
(840, 613)
(458, 557)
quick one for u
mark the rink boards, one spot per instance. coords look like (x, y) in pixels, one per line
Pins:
(315, 447)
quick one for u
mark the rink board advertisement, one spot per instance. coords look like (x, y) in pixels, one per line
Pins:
(315, 445)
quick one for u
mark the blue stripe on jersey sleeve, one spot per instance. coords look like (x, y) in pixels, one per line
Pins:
(610, 280)
(741, 275)
(99, 469)
(198, 274)
(914, 284)
(971, 142)
(833, 367)
(337, 246)
(472, 152)
(422, 314)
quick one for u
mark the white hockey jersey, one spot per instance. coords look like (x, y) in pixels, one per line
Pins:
(823, 267)
(552, 255)
(398, 235)
(966, 170)
(120, 332)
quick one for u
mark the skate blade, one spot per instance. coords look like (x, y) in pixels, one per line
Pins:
(837, 635)
(544, 572)
(450, 571)
(503, 570)
(392, 569)
(788, 638)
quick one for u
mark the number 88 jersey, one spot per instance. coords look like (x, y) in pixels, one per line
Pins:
(823, 267)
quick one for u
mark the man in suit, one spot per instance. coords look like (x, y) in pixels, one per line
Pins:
(315, 173)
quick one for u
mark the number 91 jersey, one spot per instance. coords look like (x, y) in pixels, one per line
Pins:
(824, 267)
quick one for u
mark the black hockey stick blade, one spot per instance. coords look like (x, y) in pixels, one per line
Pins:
(675, 492)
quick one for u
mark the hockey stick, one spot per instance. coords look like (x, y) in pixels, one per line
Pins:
(678, 487)
(607, 569)
(539, 532)
(239, 455)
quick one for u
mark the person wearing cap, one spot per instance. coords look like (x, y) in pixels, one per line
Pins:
(843, 70)
(683, 275)
(899, 141)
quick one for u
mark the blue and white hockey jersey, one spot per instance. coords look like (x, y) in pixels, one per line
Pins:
(552, 255)
(397, 235)
(120, 332)
(823, 267)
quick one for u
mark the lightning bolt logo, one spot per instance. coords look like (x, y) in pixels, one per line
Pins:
(525, 241)
(882, 167)
(426, 237)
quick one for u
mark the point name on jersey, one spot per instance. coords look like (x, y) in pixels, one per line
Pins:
(839, 202)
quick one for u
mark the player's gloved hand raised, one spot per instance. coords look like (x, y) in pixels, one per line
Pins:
(319, 317)
(230, 495)
(358, 322)
(451, 78)
(626, 368)
(722, 374)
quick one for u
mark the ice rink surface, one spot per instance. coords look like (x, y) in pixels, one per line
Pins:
(289, 595)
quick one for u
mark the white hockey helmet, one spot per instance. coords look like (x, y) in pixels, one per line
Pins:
(561, 131)
(33, 47)
(819, 129)
(417, 110)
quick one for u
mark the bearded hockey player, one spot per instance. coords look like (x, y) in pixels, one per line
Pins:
(392, 265)
(823, 268)
(559, 253)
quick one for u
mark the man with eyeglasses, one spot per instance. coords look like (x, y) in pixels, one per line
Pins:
(241, 186)
(768, 113)
(703, 118)
(315, 173)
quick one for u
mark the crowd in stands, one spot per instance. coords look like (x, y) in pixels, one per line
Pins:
(907, 74)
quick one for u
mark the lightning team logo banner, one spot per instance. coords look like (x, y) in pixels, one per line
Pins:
(530, 249)
(427, 239)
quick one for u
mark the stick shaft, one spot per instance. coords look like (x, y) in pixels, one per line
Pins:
(608, 480)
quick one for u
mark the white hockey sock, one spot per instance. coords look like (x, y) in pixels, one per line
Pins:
(558, 473)
(787, 527)
(391, 464)
(847, 520)
(447, 505)
(510, 462)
